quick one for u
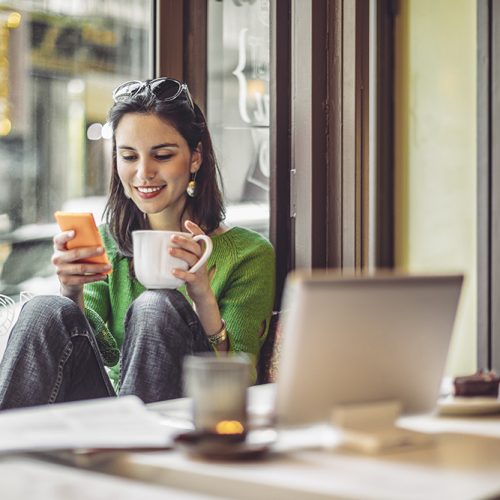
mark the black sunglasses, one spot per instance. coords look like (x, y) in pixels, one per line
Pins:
(165, 89)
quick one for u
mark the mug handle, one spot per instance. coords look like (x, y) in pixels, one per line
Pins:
(206, 253)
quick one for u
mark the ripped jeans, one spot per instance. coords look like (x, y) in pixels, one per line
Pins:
(52, 355)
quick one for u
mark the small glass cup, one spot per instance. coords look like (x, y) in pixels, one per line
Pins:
(218, 386)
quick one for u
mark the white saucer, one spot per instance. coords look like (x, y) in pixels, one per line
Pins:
(468, 406)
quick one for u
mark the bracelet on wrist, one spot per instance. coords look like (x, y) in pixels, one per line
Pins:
(219, 337)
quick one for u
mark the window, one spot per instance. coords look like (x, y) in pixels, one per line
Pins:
(59, 63)
(238, 105)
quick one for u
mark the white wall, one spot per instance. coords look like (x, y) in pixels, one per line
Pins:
(436, 152)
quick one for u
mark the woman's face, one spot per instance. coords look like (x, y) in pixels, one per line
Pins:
(154, 163)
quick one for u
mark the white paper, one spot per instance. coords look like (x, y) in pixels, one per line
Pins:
(122, 422)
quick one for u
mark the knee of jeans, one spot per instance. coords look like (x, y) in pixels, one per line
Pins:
(152, 302)
(51, 314)
(157, 307)
(45, 304)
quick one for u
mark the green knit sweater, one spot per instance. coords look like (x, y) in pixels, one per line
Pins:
(243, 281)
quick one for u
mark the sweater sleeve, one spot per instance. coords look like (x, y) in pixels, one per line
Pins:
(247, 303)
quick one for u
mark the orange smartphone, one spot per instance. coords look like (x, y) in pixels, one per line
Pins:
(86, 233)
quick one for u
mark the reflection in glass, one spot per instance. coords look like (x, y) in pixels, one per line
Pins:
(59, 61)
(238, 105)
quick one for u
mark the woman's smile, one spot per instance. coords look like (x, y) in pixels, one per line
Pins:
(148, 192)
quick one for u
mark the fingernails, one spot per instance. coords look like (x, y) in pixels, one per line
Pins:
(100, 250)
(71, 233)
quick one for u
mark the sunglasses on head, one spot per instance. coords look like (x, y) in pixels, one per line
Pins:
(164, 89)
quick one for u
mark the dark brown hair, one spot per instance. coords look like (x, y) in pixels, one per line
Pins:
(206, 209)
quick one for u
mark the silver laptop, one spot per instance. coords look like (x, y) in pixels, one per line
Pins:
(354, 340)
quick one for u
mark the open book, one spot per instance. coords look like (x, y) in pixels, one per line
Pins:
(110, 423)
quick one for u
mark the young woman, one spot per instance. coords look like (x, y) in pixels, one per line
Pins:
(106, 335)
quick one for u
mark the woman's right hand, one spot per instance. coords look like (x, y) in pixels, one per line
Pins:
(72, 274)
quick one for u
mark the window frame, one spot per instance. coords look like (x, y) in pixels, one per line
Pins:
(319, 131)
(180, 39)
(488, 190)
(330, 134)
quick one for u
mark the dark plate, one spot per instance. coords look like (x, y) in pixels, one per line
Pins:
(252, 445)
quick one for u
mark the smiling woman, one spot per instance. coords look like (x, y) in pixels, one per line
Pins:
(164, 176)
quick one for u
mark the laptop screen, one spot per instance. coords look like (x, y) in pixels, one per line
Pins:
(363, 339)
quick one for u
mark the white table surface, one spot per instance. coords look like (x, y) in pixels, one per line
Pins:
(23, 478)
(462, 463)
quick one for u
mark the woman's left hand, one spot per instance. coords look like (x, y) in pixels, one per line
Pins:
(197, 283)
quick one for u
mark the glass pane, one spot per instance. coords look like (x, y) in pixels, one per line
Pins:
(238, 106)
(436, 155)
(59, 62)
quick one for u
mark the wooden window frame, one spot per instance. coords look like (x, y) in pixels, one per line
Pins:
(488, 179)
(281, 228)
(387, 10)
(319, 134)
(179, 41)
(330, 136)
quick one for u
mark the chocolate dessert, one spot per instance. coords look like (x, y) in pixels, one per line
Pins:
(480, 384)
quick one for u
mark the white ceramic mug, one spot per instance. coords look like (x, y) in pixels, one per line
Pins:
(153, 263)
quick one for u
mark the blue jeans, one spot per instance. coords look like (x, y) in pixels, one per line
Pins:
(52, 355)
